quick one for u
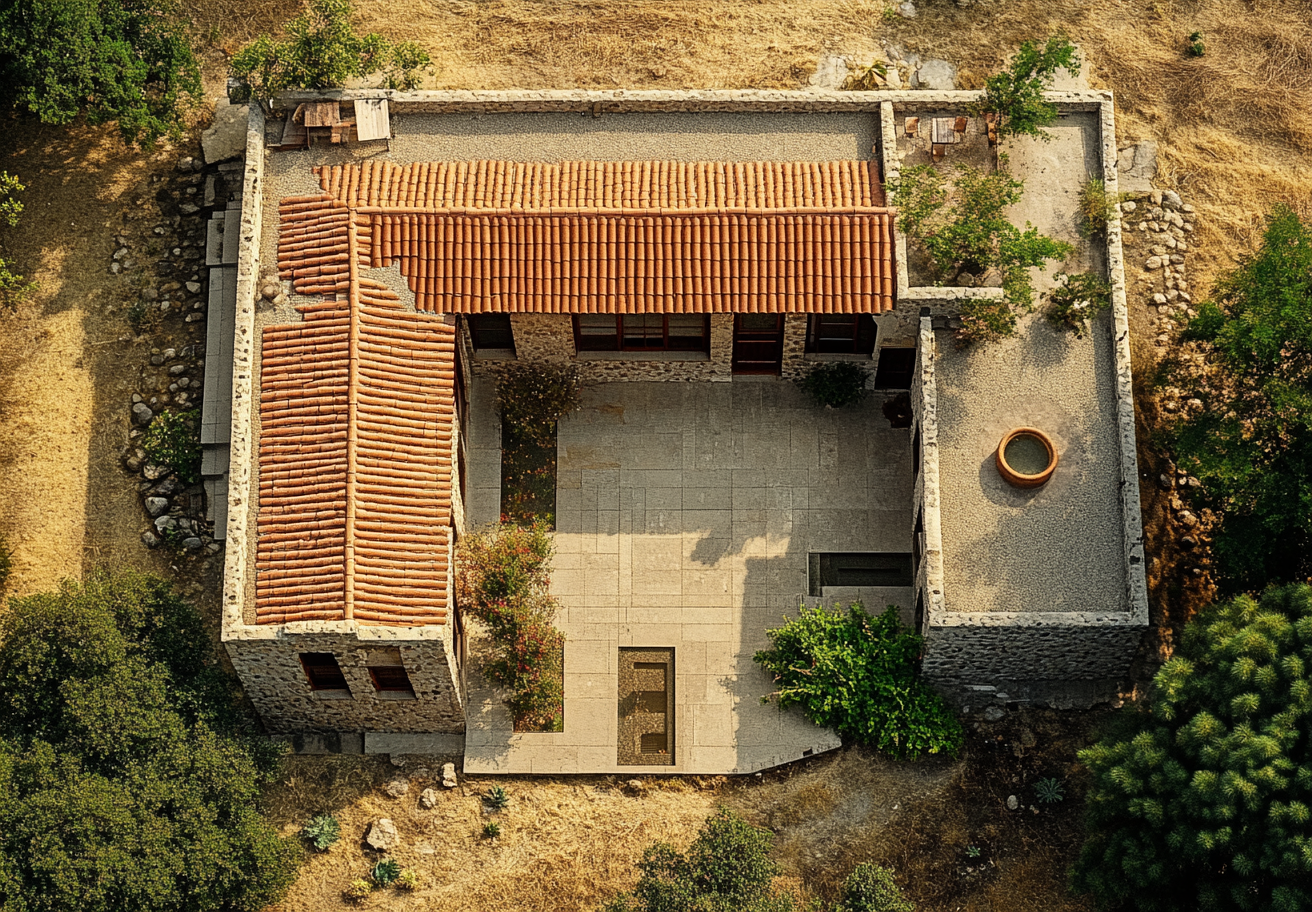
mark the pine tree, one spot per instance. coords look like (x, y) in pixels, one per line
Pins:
(1201, 798)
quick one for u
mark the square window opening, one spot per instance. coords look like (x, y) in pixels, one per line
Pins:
(391, 679)
(323, 672)
(863, 569)
(895, 368)
(491, 332)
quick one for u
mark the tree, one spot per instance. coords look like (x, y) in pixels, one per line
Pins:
(324, 52)
(124, 60)
(127, 778)
(1251, 443)
(726, 869)
(1016, 94)
(1201, 797)
(857, 674)
(870, 888)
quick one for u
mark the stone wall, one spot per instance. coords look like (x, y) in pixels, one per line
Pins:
(272, 676)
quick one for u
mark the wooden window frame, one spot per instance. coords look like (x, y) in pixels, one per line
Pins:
(471, 323)
(864, 332)
(385, 679)
(618, 337)
(312, 664)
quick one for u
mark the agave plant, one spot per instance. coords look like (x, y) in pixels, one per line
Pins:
(322, 831)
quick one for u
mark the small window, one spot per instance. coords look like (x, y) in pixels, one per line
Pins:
(323, 672)
(859, 568)
(840, 334)
(896, 365)
(597, 332)
(391, 679)
(491, 332)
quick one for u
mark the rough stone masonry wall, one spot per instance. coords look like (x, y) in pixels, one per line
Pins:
(272, 676)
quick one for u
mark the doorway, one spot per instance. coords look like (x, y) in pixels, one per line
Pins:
(758, 343)
(646, 707)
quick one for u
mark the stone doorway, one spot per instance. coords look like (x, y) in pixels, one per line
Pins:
(646, 707)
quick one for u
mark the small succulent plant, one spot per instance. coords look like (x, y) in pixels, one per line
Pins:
(1049, 791)
(386, 871)
(408, 880)
(322, 831)
(497, 797)
(491, 830)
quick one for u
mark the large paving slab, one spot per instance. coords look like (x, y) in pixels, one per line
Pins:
(686, 512)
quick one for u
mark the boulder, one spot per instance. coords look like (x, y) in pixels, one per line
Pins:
(428, 799)
(397, 788)
(938, 75)
(142, 414)
(227, 137)
(382, 835)
(449, 775)
(830, 72)
(157, 505)
(1136, 167)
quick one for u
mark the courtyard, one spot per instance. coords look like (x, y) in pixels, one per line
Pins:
(687, 514)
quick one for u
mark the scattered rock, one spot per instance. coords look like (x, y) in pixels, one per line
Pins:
(1027, 738)
(184, 163)
(830, 73)
(150, 539)
(1165, 482)
(156, 505)
(1188, 541)
(938, 75)
(1013, 803)
(449, 775)
(994, 713)
(1153, 263)
(192, 544)
(382, 835)
(397, 788)
(1171, 199)
(133, 460)
(1155, 197)
(907, 10)
(165, 524)
(1129, 206)
(141, 414)
(193, 287)
(1188, 518)
(428, 799)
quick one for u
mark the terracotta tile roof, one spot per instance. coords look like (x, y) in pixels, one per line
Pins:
(356, 409)
(628, 237)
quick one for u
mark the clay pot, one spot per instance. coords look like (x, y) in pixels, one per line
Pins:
(1021, 479)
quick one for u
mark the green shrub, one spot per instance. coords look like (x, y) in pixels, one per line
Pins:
(130, 776)
(13, 287)
(726, 869)
(1016, 94)
(1195, 46)
(491, 830)
(6, 561)
(113, 61)
(533, 396)
(173, 441)
(409, 880)
(358, 889)
(973, 237)
(1098, 208)
(870, 888)
(836, 384)
(1200, 796)
(385, 872)
(502, 578)
(1049, 791)
(866, 80)
(857, 674)
(322, 832)
(1251, 443)
(1076, 300)
(324, 52)
(497, 797)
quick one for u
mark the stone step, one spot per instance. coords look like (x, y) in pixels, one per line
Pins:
(214, 240)
(216, 413)
(216, 505)
(231, 234)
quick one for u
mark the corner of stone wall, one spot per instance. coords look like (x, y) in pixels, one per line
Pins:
(929, 575)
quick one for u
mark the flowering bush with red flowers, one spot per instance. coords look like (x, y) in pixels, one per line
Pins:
(502, 578)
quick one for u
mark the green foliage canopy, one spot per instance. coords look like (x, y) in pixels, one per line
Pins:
(870, 888)
(1251, 444)
(323, 52)
(836, 384)
(1200, 800)
(857, 674)
(726, 869)
(173, 441)
(127, 779)
(1016, 94)
(13, 287)
(124, 60)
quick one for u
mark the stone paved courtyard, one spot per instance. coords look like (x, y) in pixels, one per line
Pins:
(686, 512)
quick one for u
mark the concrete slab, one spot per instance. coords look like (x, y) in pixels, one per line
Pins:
(688, 542)
(411, 743)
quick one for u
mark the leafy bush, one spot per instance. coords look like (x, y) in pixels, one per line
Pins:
(1077, 299)
(857, 674)
(1200, 796)
(836, 384)
(13, 287)
(491, 830)
(385, 872)
(1195, 47)
(973, 237)
(497, 797)
(322, 832)
(1016, 94)
(502, 578)
(6, 561)
(1098, 208)
(533, 396)
(726, 869)
(358, 890)
(409, 880)
(870, 888)
(1049, 791)
(129, 775)
(111, 60)
(173, 441)
(324, 52)
(1251, 443)
(866, 80)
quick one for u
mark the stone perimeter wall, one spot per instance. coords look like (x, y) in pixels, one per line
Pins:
(266, 656)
